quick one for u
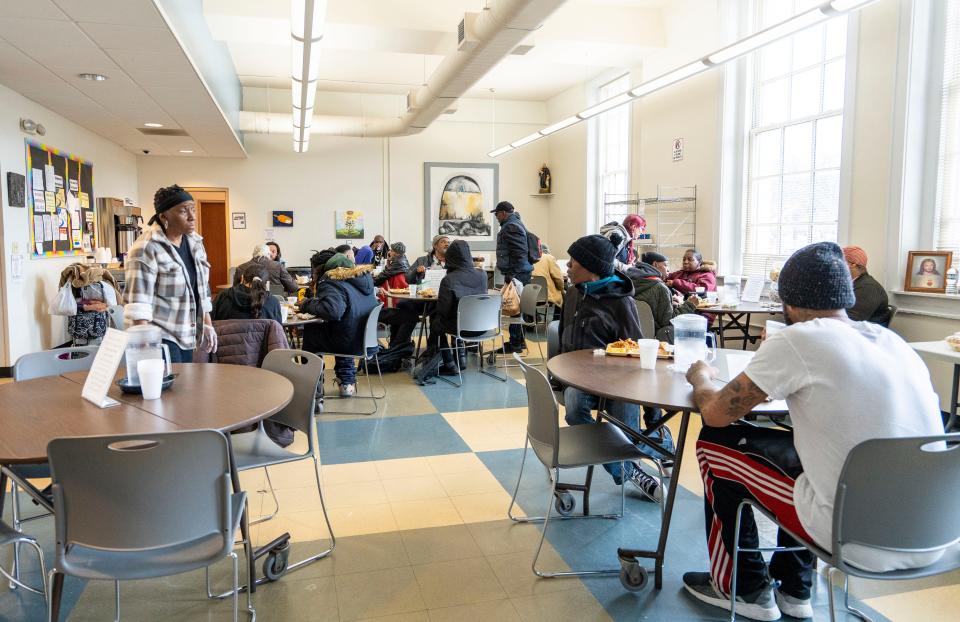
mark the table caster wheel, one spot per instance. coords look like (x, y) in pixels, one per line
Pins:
(564, 503)
(275, 566)
(633, 576)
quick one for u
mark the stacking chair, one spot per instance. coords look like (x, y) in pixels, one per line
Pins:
(141, 506)
(529, 300)
(116, 316)
(920, 473)
(544, 307)
(891, 313)
(255, 450)
(566, 448)
(478, 320)
(553, 349)
(11, 536)
(370, 342)
(648, 328)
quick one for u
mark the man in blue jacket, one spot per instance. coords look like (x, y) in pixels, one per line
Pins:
(512, 260)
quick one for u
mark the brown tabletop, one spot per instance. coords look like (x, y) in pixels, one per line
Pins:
(621, 379)
(416, 298)
(292, 323)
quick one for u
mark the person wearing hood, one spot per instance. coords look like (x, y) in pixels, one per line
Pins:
(396, 264)
(462, 279)
(249, 299)
(599, 309)
(648, 287)
(622, 237)
(277, 273)
(343, 299)
(436, 257)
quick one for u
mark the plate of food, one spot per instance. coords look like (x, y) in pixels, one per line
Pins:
(953, 341)
(405, 290)
(706, 304)
(665, 351)
(427, 293)
(623, 347)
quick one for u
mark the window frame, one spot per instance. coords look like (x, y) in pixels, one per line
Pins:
(598, 144)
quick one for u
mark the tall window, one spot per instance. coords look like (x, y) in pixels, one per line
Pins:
(795, 120)
(947, 232)
(613, 146)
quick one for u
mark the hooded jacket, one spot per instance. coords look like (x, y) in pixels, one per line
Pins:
(462, 279)
(236, 304)
(395, 266)
(599, 312)
(278, 274)
(512, 258)
(687, 281)
(621, 240)
(648, 287)
(344, 299)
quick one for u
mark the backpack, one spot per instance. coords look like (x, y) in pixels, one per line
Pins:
(391, 359)
(534, 251)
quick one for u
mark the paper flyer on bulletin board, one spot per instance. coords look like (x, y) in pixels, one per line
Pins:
(61, 202)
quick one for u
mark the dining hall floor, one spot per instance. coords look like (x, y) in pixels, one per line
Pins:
(418, 495)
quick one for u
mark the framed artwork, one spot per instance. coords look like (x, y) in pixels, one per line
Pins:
(283, 219)
(457, 199)
(239, 220)
(348, 224)
(927, 271)
(16, 184)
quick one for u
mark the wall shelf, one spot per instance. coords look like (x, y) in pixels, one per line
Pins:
(547, 195)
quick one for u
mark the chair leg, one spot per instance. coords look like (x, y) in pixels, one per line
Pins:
(276, 502)
(116, 601)
(15, 510)
(236, 586)
(516, 489)
(736, 564)
(846, 599)
(459, 372)
(383, 387)
(42, 590)
(326, 518)
(54, 593)
(503, 349)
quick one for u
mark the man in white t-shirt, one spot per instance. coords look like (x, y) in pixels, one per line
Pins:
(844, 382)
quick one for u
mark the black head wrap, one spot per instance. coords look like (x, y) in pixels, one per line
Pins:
(167, 198)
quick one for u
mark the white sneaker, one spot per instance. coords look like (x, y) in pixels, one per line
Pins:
(347, 390)
(757, 606)
(792, 606)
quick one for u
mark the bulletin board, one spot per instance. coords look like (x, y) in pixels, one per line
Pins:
(60, 200)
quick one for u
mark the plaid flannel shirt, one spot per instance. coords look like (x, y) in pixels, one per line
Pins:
(158, 287)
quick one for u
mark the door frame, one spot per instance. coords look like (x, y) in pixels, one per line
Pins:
(213, 193)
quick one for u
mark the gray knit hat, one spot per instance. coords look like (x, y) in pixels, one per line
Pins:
(399, 248)
(817, 277)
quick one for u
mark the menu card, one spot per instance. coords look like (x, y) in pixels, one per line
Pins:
(432, 278)
(104, 368)
(753, 289)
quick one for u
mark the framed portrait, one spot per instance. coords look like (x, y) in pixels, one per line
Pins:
(927, 271)
(457, 199)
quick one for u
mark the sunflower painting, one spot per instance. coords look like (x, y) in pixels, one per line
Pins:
(349, 224)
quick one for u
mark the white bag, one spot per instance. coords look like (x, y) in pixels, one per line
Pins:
(64, 303)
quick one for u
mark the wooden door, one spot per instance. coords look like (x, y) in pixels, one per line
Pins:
(213, 223)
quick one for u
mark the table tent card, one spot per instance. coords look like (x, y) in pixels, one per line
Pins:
(104, 368)
(752, 289)
(432, 278)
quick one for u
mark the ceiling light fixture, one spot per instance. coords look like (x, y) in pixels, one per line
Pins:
(93, 77)
(306, 31)
(746, 45)
(186, 151)
(153, 125)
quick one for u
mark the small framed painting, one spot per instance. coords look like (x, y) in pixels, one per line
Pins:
(927, 271)
(348, 224)
(283, 219)
(239, 220)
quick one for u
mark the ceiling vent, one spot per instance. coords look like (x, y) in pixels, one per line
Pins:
(150, 131)
(466, 37)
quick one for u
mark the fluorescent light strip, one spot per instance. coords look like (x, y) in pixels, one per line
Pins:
(306, 20)
(749, 44)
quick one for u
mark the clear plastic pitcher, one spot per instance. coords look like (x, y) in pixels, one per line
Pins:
(690, 341)
(730, 292)
(145, 342)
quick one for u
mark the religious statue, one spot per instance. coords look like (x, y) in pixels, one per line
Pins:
(544, 173)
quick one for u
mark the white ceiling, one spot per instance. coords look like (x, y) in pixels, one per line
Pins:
(390, 46)
(44, 44)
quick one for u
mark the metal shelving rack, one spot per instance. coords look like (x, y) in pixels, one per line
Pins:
(671, 218)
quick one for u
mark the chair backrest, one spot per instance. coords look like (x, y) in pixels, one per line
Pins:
(116, 316)
(544, 288)
(529, 298)
(304, 370)
(479, 313)
(553, 339)
(648, 328)
(53, 362)
(891, 313)
(370, 339)
(543, 424)
(140, 491)
(912, 507)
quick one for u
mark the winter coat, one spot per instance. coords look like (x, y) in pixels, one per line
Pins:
(598, 313)
(427, 261)
(512, 257)
(235, 304)
(243, 342)
(278, 275)
(648, 287)
(871, 303)
(462, 279)
(364, 256)
(620, 238)
(687, 281)
(395, 266)
(344, 299)
(548, 268)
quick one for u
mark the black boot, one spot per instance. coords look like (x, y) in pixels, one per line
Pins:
(449, 365)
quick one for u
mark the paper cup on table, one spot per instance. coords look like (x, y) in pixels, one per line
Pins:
(774, 326)
(291, 300)
(151, 378)
(284, 313)
(648, 353)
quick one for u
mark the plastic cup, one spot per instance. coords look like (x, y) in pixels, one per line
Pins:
(151, 377)
(773, 327)
(291, 300)
(284, 313)
(648, 353)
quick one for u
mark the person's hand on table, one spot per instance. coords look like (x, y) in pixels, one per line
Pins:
(421, 269)
(381, 292)
(701, 373)
(677, 299)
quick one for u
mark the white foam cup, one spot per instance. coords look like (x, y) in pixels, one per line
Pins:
(648, 353)
(151, 377)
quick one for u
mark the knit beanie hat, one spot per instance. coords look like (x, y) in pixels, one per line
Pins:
(855, 255)
(399, 248)
(817, 277)
(320, 258)
(652, 256)
(595, 253)
(337, 261)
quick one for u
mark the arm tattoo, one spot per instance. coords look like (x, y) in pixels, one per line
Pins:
(730, 403)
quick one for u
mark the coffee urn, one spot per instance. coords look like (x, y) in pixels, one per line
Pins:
(119, 225)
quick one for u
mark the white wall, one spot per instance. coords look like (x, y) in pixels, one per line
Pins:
(27, 326)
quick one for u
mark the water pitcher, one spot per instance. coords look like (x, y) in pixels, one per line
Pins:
(145, 342)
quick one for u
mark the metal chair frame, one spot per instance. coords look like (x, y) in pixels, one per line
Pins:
(370, 340)
(529, 298)
(466, 321)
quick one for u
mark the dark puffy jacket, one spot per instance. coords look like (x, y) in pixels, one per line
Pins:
(278, 274)
(243, 342)
(649, 287)
(598, 313)
(344, 299)
(395, 266)
(462, 279)
(427, 261)
(512, 258)
(236, 304)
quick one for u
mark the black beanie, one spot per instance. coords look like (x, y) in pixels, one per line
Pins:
(652, 256)
(595, 253)
(817, 277)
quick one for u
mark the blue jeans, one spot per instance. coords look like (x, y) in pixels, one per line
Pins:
(578, 406)
(345, 367)
(516, 330)
(178, 354)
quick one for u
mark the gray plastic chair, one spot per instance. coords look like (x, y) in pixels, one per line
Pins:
(140, 506)
(891, 313)
(478, 315)
(12, 537)
(529, 301)
(370, 341)
(115, 313)
(648, 328)
(566, 448)
(919, 473)
(553, 349)
(543, 300)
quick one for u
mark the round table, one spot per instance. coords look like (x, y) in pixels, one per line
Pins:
(742, 311)
(621, 379)
(426, 303)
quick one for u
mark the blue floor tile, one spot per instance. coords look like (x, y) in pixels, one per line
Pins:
(387, 438)
(479, 392)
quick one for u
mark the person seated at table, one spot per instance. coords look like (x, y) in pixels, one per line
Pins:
(347, 251)
(658, 261)
(276, 255)
(622, 237)
(549, 269)
(396, 264)
(435, 258)
(694, 273)
(648, 287)
(373, 253)
(343, 299)
(249, 299)
(844, 382)
(598, 309)
(872, 304)
(278, 275)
